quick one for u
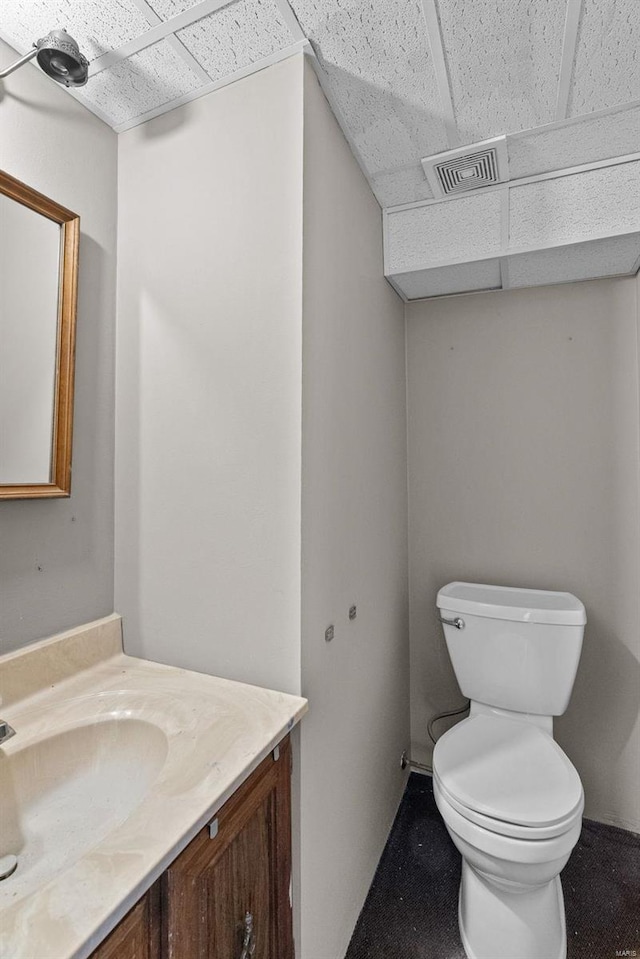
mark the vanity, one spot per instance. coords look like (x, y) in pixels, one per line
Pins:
(148, 807)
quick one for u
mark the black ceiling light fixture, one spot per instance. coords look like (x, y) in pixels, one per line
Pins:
(59, 56)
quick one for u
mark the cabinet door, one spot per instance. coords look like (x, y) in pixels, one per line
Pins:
(227, 896)
(137, 936)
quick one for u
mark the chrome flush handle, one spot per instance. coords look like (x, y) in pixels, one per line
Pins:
(6, 732)
(458, 622)
(249, 942)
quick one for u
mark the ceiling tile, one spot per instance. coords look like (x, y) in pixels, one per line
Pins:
(376, 56)
(445, 280)
(171, 8)
(401, 186)
(581, 206)
(586, 141)
(504, 61)
(235, 36)
(578, 261)
(97, 26)
(607, 63)
(146, 80)
(465, 228)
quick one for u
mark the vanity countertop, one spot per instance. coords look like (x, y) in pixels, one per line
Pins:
(152, 751)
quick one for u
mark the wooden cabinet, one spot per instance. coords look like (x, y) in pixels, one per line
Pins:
(230, 893)
(138, 935)
(227, 895)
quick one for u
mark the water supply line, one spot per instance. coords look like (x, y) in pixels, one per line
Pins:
(444, 715)
(424, 767)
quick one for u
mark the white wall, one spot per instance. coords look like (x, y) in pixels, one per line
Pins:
(523, 470)
(354, 539)
(214, 461)
(56, 556)
(208, 382)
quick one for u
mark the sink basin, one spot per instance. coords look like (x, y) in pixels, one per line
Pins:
(60, 796)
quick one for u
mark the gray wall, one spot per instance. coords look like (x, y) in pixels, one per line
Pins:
(523, 470)
(354, 539)
(56, 556)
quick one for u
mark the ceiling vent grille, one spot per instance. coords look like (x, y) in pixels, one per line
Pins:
(475, 166)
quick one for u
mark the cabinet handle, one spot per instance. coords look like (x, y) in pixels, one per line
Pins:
(248, 942)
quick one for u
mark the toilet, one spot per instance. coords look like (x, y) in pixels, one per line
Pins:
(510, 798)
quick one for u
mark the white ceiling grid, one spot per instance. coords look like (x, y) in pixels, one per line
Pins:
(148, 56)
(406, 78)
(380, 64)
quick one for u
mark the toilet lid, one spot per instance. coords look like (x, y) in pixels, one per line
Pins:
(508, 770)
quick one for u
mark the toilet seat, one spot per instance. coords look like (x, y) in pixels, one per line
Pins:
(509, 777)
(507, 851)
(513, 830)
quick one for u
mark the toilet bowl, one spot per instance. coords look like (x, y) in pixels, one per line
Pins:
(510, 903)
(510, 798)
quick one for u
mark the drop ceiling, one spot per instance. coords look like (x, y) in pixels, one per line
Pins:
(407, 79)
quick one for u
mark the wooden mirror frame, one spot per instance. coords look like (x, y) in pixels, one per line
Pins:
(60, 461)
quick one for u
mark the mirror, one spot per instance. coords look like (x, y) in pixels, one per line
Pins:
(38, 294)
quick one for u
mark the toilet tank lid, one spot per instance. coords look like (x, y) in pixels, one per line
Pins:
(517, 605)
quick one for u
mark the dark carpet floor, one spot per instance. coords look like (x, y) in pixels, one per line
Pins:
(411, 911)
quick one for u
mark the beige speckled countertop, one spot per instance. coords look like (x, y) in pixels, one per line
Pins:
(168, 748)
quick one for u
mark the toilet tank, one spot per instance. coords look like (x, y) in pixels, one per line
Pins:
(516, 649)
